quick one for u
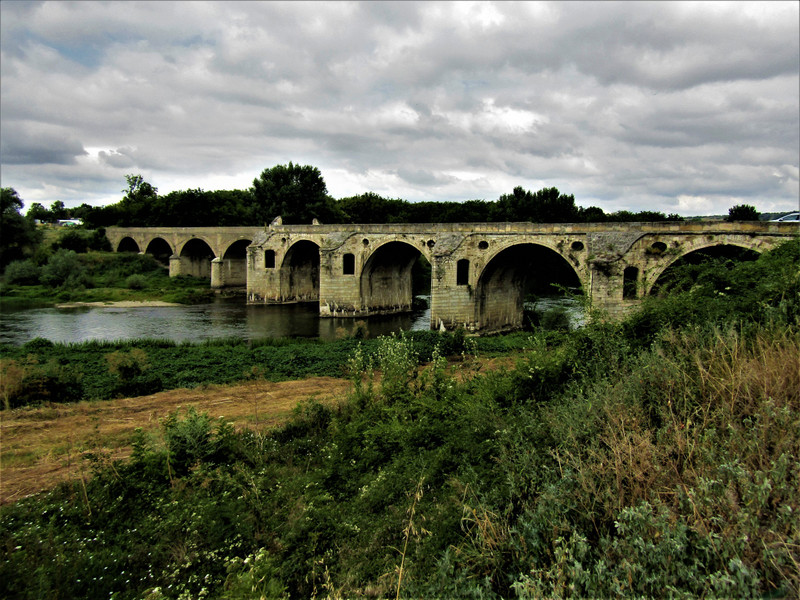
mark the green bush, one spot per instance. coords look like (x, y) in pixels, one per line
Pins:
(22, 272)
(135, 282)
(64, 269)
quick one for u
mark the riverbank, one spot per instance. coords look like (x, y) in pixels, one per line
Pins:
(67, 278)
(118, 304)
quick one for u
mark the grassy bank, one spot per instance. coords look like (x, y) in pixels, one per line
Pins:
(42, 371)
(658, 457)
(67, 276)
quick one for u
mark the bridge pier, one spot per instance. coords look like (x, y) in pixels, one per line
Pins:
(174, 265)
(217, 277)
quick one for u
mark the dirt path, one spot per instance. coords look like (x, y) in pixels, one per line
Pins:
(40, 447)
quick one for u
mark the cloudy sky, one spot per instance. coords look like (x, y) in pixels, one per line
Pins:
(677, 107)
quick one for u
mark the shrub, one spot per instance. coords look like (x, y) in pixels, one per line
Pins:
(22, 272)
(135, 282)
(66, 270)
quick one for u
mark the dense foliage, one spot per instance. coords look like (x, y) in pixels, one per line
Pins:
(658, 457)
(59, 274)
(298, 194)
(42, 371)
(18, 235)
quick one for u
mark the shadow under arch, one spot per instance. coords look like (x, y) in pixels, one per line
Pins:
(159, 249)
(234, 263)
(128, 244)
(300, 272)
(196, 256)
(683, 272)
(512, 275)
(391, 276)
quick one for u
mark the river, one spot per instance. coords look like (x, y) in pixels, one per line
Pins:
(224, 318)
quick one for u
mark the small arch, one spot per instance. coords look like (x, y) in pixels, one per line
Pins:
(391, 276)
(237, 250)
(159, 249)
(462, 272)
(128, 244)
(234, 263)
(349, 264)
(630, 282)
(300, 272)
(196, 256)
(269, 259)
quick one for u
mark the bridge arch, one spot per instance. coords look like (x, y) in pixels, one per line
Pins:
(128, 244)
(196, 256)
(234, 263)
(738, 250)
(386, 281)
(300, 272)
(729, 248)
(511, 274)
(160, 249)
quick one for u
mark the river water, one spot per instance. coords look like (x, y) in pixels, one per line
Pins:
(224, 318)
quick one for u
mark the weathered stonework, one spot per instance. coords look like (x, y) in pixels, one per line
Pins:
(478, 269)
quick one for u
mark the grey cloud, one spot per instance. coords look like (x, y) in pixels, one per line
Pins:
(635, 102)
(32, 143)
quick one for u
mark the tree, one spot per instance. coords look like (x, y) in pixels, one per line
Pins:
(742, 212)
(136, 205)
(295, 193)
(18, 235)
(58, 210)
(545, 206)
(37, 212)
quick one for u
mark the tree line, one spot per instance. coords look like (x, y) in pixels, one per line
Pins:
(298, 194)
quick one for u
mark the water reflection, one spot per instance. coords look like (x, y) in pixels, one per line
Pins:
(225, 318)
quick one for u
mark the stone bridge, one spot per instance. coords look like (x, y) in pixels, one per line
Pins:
(480, 273)
(216, 252)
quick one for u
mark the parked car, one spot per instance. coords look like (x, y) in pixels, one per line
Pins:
(790, 218)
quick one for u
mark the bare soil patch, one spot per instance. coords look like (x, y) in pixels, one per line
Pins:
(43, 446)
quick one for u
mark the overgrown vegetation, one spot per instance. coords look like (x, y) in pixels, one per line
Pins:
(658, 457)
(58, 274)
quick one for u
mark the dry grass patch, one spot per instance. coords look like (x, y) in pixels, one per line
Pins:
(41, 447)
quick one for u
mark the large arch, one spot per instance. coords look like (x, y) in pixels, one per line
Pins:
(128, 244)
(512, 274)
(662, 277)
(386, 280)
(234, 263)
(300, 272)
(160, 249)
(196, 256)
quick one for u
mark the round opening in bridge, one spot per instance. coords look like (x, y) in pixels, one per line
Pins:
(577, 246)
(483, 244)
(658, 247)
(283, 240)
(365, 241)
(431, 243)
